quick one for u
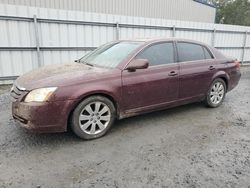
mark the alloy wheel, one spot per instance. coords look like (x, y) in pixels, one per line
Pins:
(94, 118)
(217, 93)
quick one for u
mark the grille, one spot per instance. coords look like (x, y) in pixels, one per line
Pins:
(17, 93)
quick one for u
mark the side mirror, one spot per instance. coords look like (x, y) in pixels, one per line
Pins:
(77, 60)
(137, 64)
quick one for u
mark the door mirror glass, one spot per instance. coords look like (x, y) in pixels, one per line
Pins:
(137, 64)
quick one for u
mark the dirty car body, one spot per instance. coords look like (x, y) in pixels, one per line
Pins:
(175, 72)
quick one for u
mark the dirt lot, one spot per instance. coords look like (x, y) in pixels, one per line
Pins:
(188, 146)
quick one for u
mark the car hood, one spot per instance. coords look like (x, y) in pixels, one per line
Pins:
(59, 75)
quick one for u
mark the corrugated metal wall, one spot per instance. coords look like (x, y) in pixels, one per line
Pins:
(188, 10)
(67, 35)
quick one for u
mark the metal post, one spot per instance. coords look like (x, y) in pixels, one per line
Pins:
(117, 31)
(37, 41)
(173, 34)
(244, 48)
(213, 37)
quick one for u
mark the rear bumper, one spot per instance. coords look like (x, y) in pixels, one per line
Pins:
(234, 80)
(45, 117)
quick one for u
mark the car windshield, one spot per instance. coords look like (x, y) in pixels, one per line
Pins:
(110, 55)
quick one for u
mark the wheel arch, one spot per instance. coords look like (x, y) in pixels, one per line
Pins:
(225, 80)
(103, 94)
(222, 75)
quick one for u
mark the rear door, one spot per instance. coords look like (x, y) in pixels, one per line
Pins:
(158, 84)
(196, 69)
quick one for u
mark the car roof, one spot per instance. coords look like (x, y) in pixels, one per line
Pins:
(153, 40)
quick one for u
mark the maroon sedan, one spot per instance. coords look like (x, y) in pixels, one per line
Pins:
(121, 79)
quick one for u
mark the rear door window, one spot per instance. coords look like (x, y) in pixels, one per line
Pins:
(158, 54)
(190, 52)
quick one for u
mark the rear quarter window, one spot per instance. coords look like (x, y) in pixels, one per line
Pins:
(207, 54)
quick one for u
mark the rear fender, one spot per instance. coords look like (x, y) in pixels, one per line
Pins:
(221, 74)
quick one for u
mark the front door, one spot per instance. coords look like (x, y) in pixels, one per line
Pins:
(158, 84)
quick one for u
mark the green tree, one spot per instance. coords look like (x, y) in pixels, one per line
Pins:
(236, 12)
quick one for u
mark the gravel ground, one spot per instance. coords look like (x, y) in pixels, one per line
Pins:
(188, 146)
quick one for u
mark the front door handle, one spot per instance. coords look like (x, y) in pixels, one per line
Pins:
(211, 68)
(172, 73)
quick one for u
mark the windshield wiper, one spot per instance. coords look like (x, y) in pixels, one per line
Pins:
(86, 63)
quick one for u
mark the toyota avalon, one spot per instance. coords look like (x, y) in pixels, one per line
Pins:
(121, 79)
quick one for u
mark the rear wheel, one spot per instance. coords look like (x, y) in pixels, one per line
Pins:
(93, 117)
(216, 93)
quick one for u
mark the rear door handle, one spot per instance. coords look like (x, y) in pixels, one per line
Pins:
(211, 68)
(172, 73)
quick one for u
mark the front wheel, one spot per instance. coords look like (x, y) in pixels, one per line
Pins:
(93, 117)
(216, 93)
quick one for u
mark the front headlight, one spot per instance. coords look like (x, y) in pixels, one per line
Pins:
(40, 95)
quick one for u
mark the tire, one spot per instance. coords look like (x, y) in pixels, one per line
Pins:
(216, 93)
(93, 117)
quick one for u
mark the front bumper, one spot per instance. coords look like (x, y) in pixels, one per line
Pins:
(45, 117)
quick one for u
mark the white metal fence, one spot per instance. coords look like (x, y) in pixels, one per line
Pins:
(33, 37)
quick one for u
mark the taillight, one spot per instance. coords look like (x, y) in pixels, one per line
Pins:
(237, 64)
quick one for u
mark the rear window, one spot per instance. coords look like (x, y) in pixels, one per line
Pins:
(190, 52)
